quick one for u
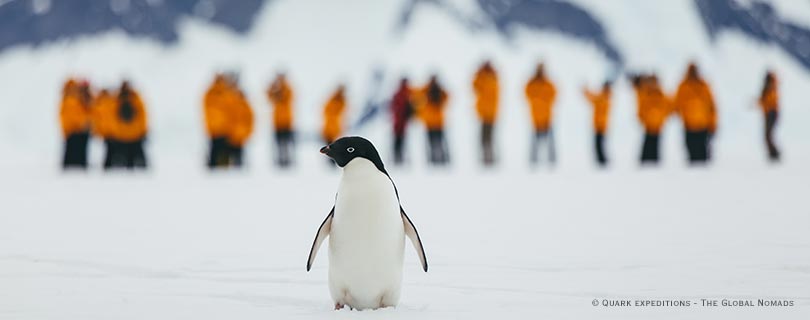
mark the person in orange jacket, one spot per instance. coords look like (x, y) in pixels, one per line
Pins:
(654, 108)
(74, 117)
(486, 90)
(333, 112)
(281, 96)
(105, 106)
(601, 109)
(695, 104)
(769, 102)
(229, 121)
(541, 95)
(216, 105)
(129, 129)
(241, 117)
(430, 103)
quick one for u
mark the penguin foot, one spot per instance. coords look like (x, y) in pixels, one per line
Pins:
(338, 306)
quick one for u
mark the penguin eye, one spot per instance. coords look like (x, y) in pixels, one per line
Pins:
(350, 149)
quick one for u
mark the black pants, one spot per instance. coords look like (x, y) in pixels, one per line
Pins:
(112, 150)
(599, 146)
(486, 143)
(128, 155)
(134, 154)
(438, 147)
(234, 155)
(399, 148)
(219, 155)
(76, 151)
(697, 144)
(541, 137)
(649, 150)
(284, 144)
(770, 122)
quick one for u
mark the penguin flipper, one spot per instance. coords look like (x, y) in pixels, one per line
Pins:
(323, 232)
(410, 231)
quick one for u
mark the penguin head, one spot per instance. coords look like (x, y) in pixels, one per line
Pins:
(346, 149)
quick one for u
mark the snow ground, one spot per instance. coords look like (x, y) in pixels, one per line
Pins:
(194, 245)
(512, 243)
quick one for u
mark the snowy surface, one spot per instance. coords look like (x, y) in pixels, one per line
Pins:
(511, 243)
(213, 246)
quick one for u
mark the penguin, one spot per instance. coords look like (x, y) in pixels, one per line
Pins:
(366, 228)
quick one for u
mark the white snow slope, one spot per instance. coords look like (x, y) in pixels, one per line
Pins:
(513, 243)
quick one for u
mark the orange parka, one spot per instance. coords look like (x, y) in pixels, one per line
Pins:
(769, 101)
(227, 113)
(135, 129)
(430, 111)
(74, 113)
(105, 106)
(695, 104)
(541, 94)
(601, 108)
(333, 116)
(654, 107)
(281, 95)
(486, 94)
(240, 116)
(215, 106)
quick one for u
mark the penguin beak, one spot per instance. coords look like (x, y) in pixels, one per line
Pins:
(325, 150)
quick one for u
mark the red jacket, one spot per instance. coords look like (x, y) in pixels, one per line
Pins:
(401, 109)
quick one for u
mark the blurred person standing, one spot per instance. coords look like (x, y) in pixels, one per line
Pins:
(229, 121)
(769, 103)
(281, 96)
(240, 116)
(600, 101)
(129, 129)
(105, 106)
(401, 112)
(654, 108)
(541, 95)
(486, 90)
(217, 123)
(74, 117)
(696, 106)
(333, 113)
(431, 101)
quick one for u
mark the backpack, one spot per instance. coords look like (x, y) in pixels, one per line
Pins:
(434, 93)
(126, 111)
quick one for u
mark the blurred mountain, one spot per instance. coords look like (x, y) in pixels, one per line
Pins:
(39, 21)
(505, 15)
(757, 20)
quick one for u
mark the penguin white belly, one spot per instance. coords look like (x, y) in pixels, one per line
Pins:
(367, 239)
